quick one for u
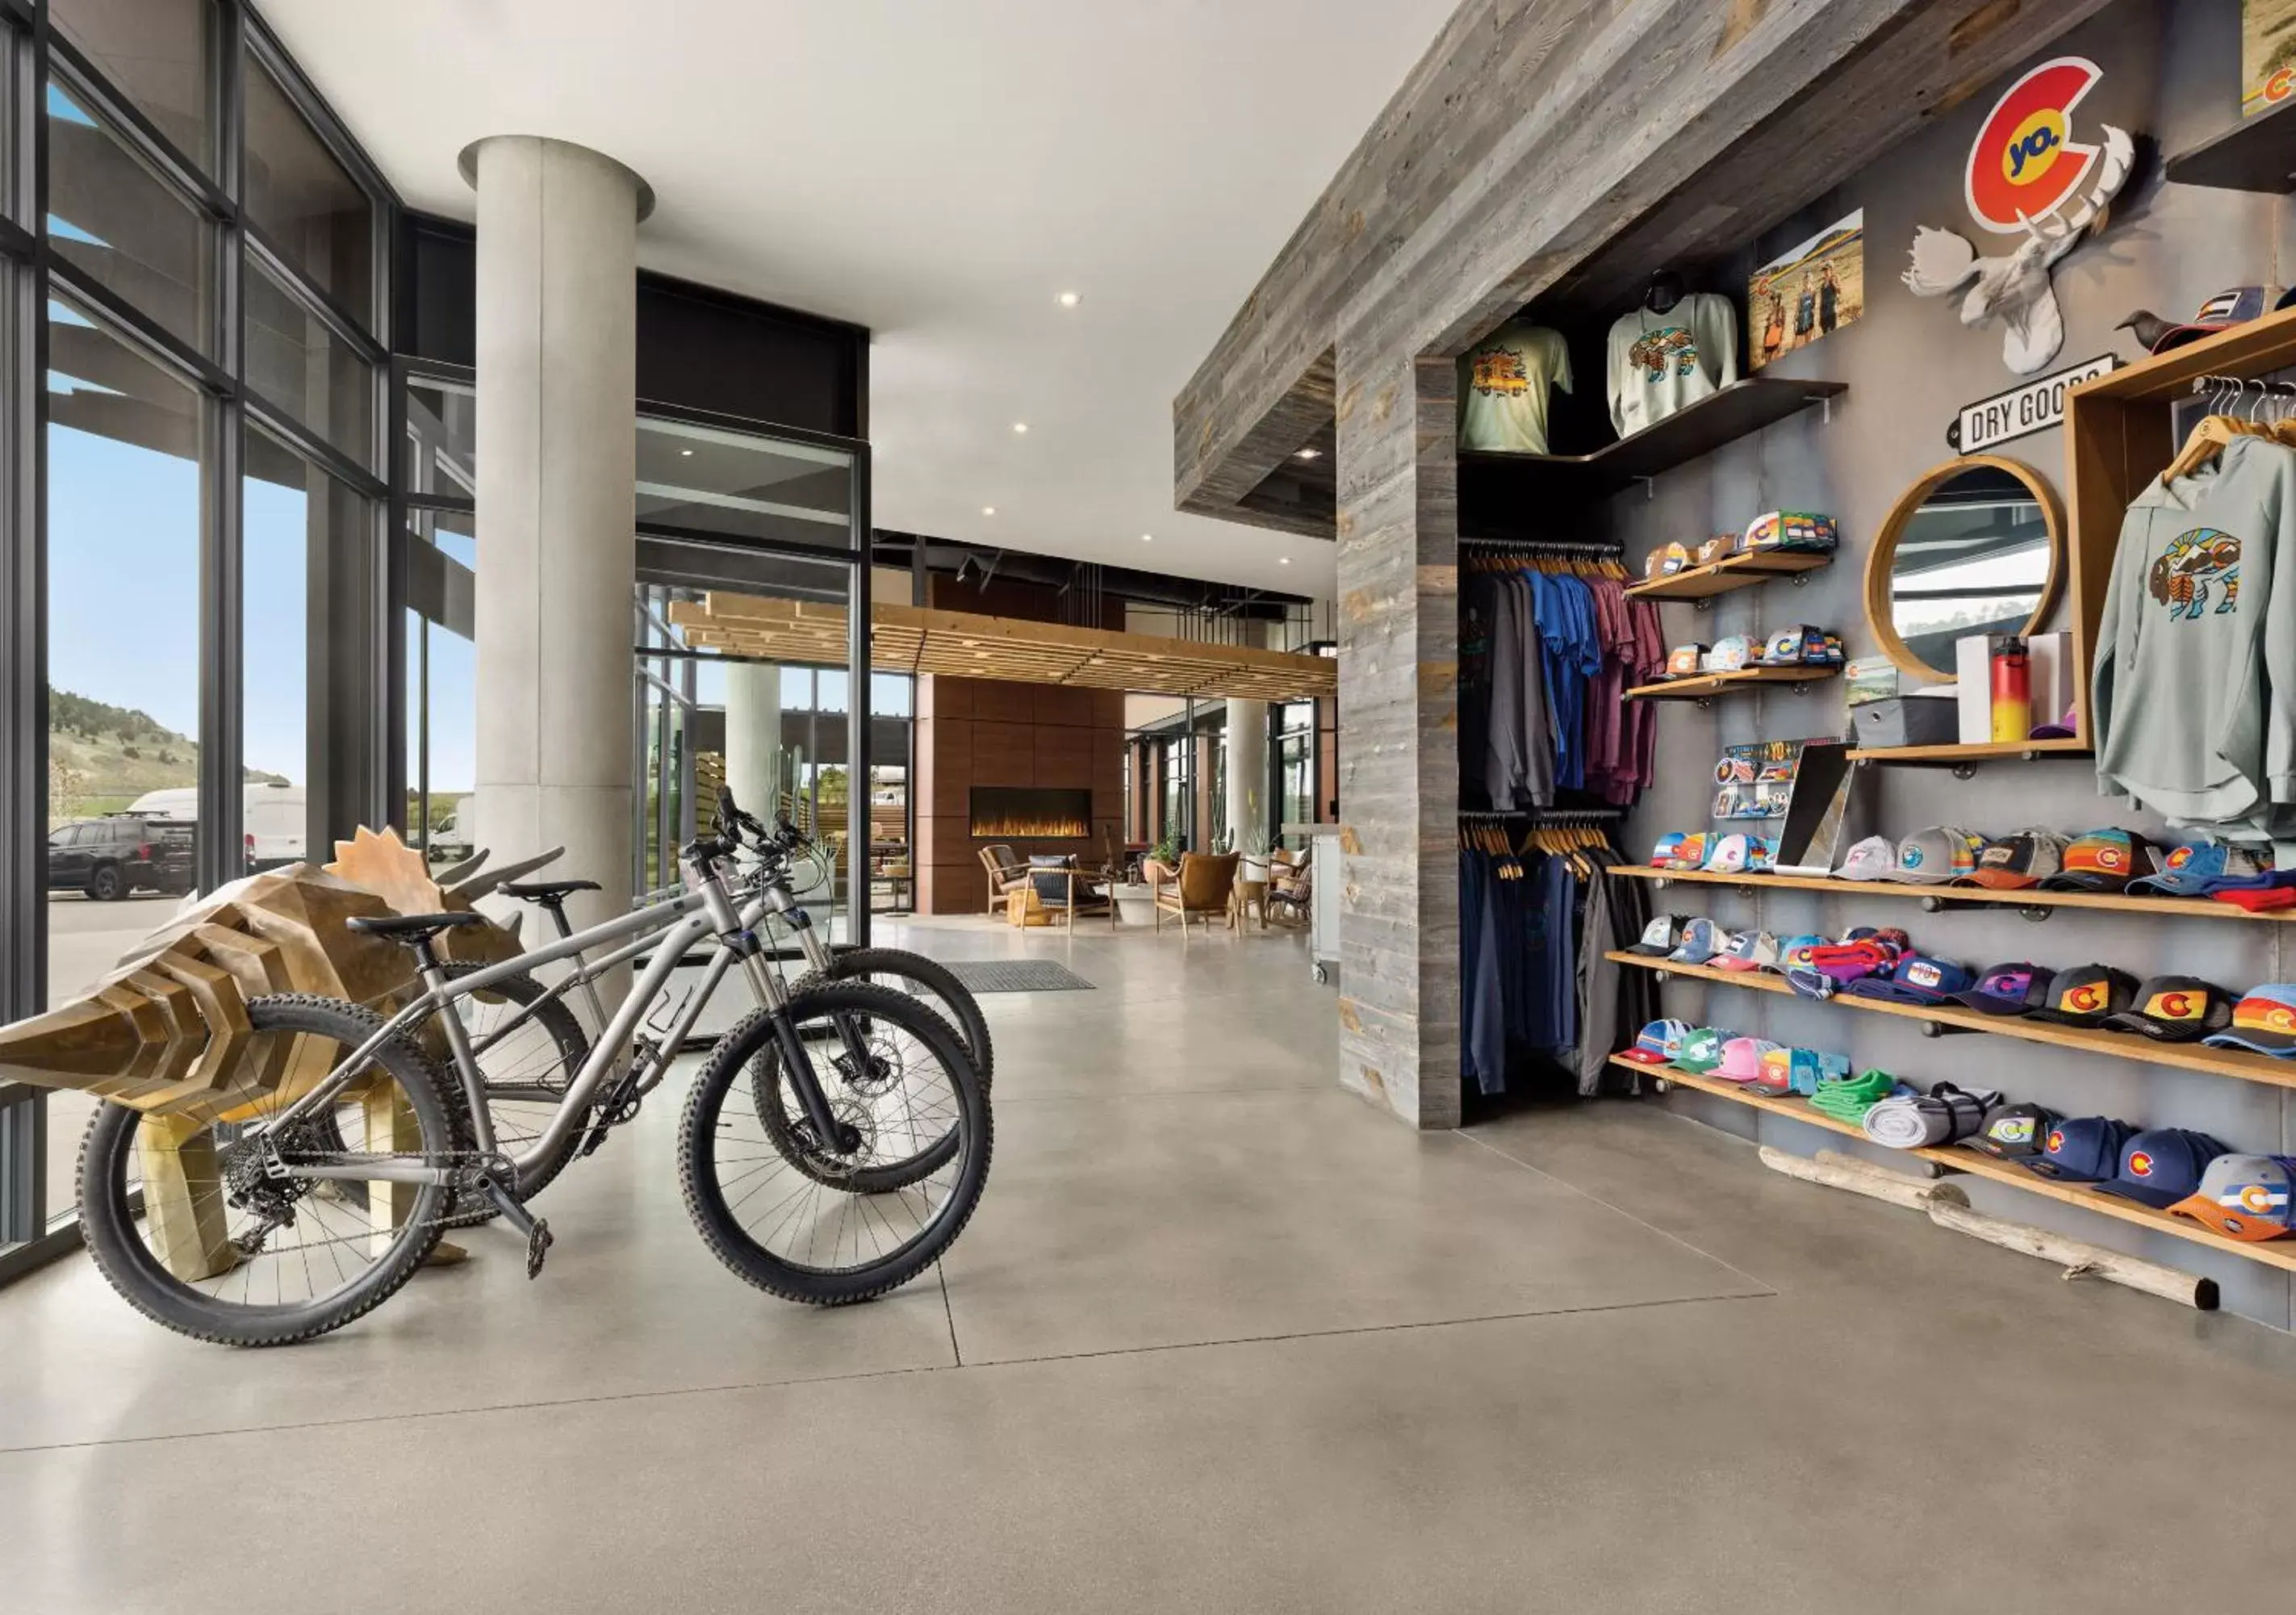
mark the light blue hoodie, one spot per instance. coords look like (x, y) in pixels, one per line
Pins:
(2194, 697)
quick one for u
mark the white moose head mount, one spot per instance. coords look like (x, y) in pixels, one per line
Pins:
(2015, 289)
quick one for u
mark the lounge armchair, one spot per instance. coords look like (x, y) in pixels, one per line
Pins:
(1200, 889)
(1069, 893)
(1292, 894)
(1006, 872)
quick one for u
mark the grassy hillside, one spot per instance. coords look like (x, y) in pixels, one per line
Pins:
(101, 758)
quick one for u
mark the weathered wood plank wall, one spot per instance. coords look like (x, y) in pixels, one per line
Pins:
(1535, 133)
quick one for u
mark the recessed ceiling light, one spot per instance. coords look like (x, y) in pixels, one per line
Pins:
(1019, 426)
(1069, 299)
(1283, 561)
(1309, 453)
(987, 509)
(1147, 538)
(686, 452)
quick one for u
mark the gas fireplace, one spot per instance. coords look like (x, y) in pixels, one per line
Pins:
(1027, 813)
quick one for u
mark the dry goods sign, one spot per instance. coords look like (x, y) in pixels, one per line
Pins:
(2035, 406)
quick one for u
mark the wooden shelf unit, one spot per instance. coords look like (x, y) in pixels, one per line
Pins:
(2119, 1045)
(1743, 408)
(2199, 908)
(1970, 755)
(2255, 154)
(1731, 573)
(2274, 1254)
(1707, 685)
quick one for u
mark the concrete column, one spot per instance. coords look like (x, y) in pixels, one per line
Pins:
(557, 472)
(1247, 768)
(753, 735)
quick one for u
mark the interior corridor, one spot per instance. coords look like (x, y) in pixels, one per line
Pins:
(1229, 1336)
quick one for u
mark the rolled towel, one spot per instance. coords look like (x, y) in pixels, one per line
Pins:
(1944, 1115)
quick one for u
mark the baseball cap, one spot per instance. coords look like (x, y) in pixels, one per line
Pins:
(1918, 979)
(1797, 950)
(2101, 860)
(1729, 855)
(1875, 859)
(1658, 1043)
(2009, 990)
(1731, 653)
(1796, 1070)
(2222, 312)
(2084, 997)
(2193, 869)
(2248, 1197)
(1742, 1059)
(1702, 1051)
(1932, 856)
(1752, 950)
(2064, 728)
(2013, 1132)
(1701, 939)
(2175, 1009)
(1685, 661)
(1659, 938)
(2264, 1020)
(2163, 1165)
(1679, 851)
(2082, 1149)
(2016, 862)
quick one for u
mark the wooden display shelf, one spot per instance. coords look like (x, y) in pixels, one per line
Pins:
(2274, 1253)
(2119, 1045)
(1968, 756)
(2199, 908)
(2255, 154)
(1707, 685)
(1732, 572)
(1738, 410)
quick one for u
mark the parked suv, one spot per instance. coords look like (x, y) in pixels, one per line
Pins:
(110, 857)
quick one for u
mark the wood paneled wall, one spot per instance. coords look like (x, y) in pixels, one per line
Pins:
(987, 732)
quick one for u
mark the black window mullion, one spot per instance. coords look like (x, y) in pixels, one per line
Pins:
(16, 241)
(129, 125)
(134, 327)
(263, 47)
(300, 437)
(223, 799)
(337, 318)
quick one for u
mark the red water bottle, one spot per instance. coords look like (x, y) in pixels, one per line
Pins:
(2013, 691)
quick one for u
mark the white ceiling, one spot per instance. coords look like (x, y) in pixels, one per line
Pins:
(939, 170)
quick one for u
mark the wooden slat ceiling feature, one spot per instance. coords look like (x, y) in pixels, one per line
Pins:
(913, 639)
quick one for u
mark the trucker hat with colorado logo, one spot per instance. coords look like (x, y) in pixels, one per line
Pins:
(2244, 1197)
(2264, 1020)
(1935, 855)
(2175, 1009)
(2102, 860)
(2085, 995)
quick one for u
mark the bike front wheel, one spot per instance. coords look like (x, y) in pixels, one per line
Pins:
(817, 1228)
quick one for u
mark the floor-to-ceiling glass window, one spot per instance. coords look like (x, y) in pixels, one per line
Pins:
(438, 472)
(190, 345)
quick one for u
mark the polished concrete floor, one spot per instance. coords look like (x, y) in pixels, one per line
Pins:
(1221, 1338)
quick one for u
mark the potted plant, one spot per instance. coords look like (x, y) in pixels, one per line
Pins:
(1136, 900)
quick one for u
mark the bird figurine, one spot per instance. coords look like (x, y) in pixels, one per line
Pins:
(2015, 289)
(2147, 326)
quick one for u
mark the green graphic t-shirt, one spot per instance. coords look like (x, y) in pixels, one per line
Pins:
(1503, 386)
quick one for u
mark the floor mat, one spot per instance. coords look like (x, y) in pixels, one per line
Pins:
(1017, 976)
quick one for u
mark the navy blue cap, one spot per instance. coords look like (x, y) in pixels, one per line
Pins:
(2163, 1165)
(1917, 980)
(2082, 1149)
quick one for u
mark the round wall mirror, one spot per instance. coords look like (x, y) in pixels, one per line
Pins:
(1976, 546)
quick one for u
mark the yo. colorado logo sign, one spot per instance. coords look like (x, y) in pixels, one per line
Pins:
(2026, 162)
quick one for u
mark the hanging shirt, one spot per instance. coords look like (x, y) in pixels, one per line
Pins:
(1503, 386)
(1660, 362)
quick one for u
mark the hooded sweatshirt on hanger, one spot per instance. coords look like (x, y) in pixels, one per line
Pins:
(2194, 692)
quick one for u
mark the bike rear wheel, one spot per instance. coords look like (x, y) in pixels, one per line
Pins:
(816, 1233)
(222, 1248)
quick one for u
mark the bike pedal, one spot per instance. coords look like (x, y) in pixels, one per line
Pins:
(537, 1245)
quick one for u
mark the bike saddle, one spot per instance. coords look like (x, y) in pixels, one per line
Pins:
(545, 891)
(408, 929)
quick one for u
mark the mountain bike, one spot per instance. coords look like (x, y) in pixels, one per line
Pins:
(530, 1039)
(851, 1171)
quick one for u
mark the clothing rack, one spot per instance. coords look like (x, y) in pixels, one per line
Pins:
(2233, 384)
(1594, 548)
(1547, 818)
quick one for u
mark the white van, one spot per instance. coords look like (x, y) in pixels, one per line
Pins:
(270, 816)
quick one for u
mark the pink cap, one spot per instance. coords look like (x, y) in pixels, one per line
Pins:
(1742, 1059)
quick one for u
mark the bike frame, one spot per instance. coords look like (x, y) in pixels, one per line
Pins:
(706, 911)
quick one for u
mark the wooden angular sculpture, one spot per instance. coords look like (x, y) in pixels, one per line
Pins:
(167, 1031)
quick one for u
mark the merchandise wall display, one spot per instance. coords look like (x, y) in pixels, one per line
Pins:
(1548, 648)
(1503, 382)
(1663, 358)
